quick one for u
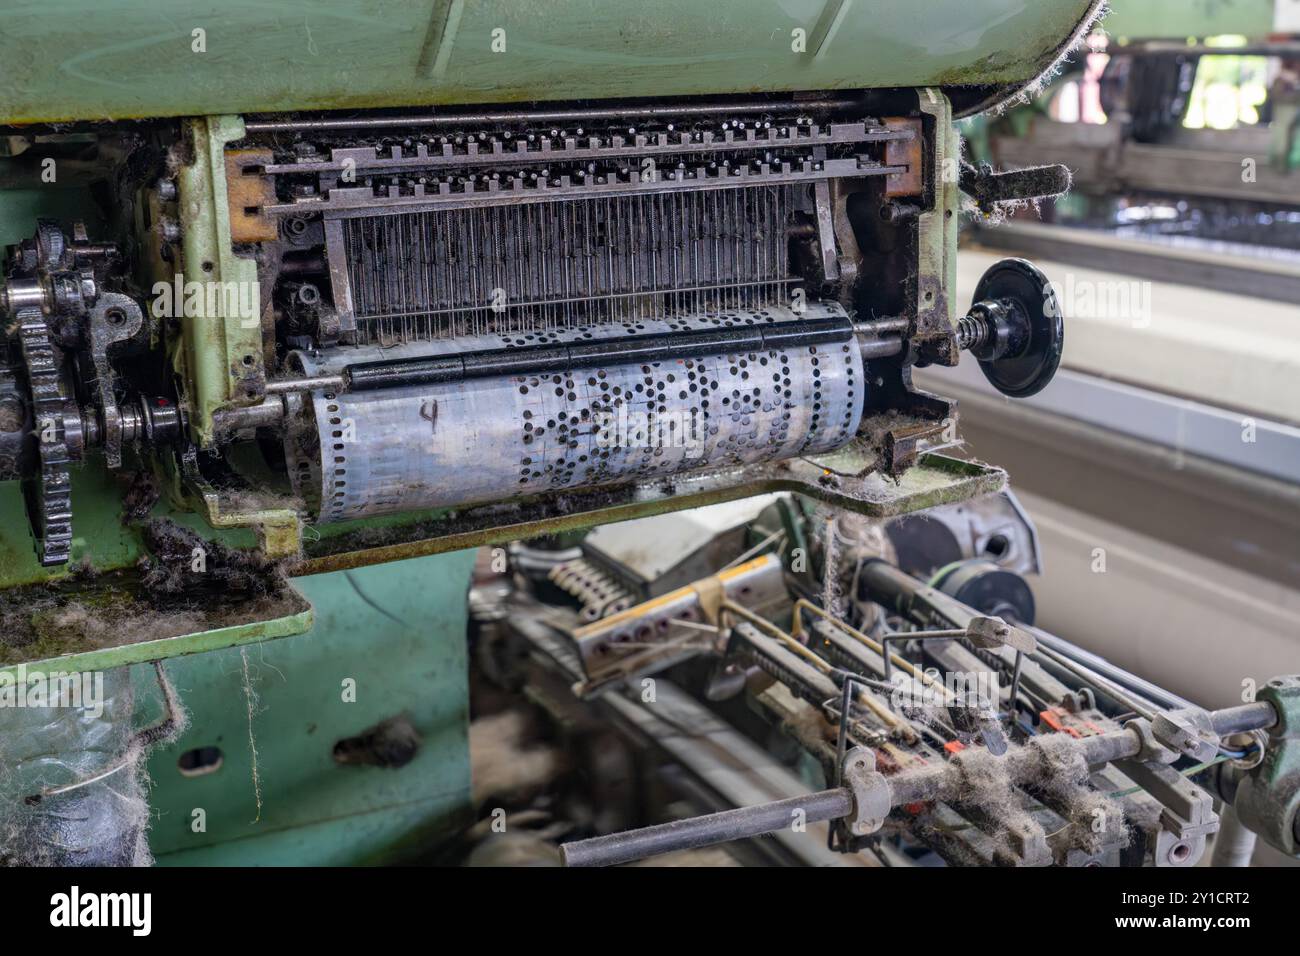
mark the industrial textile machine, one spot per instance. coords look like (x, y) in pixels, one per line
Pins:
(289, 298)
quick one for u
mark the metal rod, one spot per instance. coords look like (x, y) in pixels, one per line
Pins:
(842, 737)
(707, 830)
(875, 327)
(459, 366)
(1157, 695)
(890, 587)
(555, 116)
(880, 348)
(1015, 681)
(1237, 720)
(935, 782)
(901, 636)
(305, 384)
(268, 413)
(1138, 705)
(841, 746)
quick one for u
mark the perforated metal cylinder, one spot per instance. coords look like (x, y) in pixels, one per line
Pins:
(445, 445)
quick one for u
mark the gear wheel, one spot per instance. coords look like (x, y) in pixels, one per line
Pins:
(49, 491)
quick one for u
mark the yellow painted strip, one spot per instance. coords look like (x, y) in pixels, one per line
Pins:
(654, 604)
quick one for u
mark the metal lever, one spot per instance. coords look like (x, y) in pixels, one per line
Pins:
(989, 188)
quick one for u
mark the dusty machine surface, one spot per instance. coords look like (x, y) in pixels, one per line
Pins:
(297, 314)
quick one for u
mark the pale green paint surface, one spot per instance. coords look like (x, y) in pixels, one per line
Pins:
(197, 642)
(399, 631)
(1178, 19)
(102, 59)
(937, 234)
(98, 535)
(217, 346)
(364, 838)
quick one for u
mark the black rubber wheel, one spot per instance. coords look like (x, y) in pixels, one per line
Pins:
(1027, 373)
(983, 585)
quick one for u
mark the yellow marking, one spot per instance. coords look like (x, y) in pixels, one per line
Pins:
(654, 604)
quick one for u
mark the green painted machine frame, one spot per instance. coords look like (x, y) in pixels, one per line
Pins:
(69, 60)
(399, 631)
(219, 361)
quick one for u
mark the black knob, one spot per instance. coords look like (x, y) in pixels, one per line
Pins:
(1014, 328)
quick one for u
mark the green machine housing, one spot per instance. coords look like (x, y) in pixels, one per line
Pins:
(226, 221)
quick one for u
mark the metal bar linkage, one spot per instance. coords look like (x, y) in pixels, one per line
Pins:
(362, 201)
(545, 359)
(707, 830)
(712, 109)
(938, 783)
(494, 152)
(878, 337)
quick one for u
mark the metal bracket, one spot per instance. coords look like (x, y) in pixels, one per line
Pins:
(1150, 750)
(856, 769)
(114, 318)
(1188, 816)
(935, 480)
(872, 799)
(1268, 797)
(1188, 732)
